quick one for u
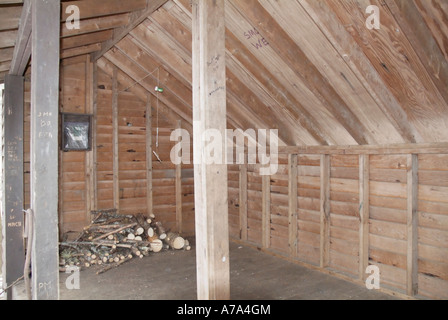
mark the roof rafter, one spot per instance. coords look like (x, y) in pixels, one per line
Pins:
(135, 19)
(22, 49)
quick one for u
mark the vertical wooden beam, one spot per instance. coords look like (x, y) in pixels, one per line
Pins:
(44, 147)
(209, 112)
(61, 171)
(12, 204)
(116, 182)
(266, 212)
(412, 225)
(325, 210)
(94, 67)
(179, 190)
(149, 194)
(364, 212)
(292, 208)
(91, 155)
(243, 202)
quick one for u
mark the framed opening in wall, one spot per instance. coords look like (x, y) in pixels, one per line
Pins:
(76, 132)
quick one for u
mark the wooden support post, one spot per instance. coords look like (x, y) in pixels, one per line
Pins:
(412, 225)
(12, 204)
(209, 113)
(91, 90)
(116, 182)
(44, 147)
(364, 211)
(243, 202)
(266, 212)
(292, 208)
(179, 190)
(325, 210)
(149, 194)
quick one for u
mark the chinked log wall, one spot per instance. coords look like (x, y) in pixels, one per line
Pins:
(341, 210)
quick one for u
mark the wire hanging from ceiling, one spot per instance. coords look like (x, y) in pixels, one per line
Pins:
(158, 91)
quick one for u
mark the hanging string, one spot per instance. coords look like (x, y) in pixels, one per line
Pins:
(140, 81)
(157, 89)
(157, 96)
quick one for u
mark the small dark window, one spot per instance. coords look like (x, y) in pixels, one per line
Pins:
(76, 132)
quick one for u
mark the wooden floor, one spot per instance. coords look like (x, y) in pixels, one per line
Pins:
(254, 276)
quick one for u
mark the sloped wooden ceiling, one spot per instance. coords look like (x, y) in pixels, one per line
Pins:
(309, 68)
(102, 23)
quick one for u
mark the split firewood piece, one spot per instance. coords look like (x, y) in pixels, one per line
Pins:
(139, 231)
(131, 236)
(187, 246)
(157, 246)
(160, 230)
(136, 252)
(175, 241)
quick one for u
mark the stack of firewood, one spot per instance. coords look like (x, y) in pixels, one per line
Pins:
(113, 239)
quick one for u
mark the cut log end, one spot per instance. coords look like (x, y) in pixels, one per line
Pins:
(175, 241)
(157, 246)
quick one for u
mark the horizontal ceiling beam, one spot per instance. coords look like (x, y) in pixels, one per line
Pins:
(409, 148)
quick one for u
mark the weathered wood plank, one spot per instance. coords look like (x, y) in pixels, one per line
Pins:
(362, 67)
(149, 169)
(89, 9)
(115, 142)
(209, 110)
(412, 224)
(179, 218)
(12, 190)
(243, 187)
(364, 213)
(438, 148)
(413, 25)
(325, 211)
(293, 204)
(44, 148)
(22, 48)
(266, 211)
